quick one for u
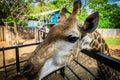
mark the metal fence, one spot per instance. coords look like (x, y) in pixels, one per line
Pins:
(17, 63)
(84, 67)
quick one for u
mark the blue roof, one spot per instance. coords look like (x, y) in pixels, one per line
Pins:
(54, 18)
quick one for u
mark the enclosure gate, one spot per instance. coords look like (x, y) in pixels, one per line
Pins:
(109, 61)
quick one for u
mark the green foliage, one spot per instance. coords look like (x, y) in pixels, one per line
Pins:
(109, 13)
(62, 3)
(41, 8)
(112, 41)
(105, 23)
(32, 18)
(12, 12)
(19, 22)
(82, 16)
(9, 20)
(4, 11)
(56, 4)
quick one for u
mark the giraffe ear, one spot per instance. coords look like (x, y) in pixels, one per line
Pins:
(91, 22)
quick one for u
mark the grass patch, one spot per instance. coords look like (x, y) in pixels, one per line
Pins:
(112, 41)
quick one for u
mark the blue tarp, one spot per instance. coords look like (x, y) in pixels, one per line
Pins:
(33, 23)
(55, 17)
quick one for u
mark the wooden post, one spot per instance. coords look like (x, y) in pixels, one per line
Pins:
(36, 34)
(3, 36)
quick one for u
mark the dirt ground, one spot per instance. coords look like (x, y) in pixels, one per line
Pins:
(10, 54)
(115, 51)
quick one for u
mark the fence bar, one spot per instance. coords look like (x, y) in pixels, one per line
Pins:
(44, 35)
(62, 72)
(86, 69)
(17, 59)
(12, 64)
(103, 58)
(19, 46)
(4, 63)
(52, 73)
(65, 75)
(73, 72)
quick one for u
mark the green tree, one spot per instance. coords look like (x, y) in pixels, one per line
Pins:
(4, 11)
(63, 3)
(13, 10)
(109, 13)
(115, 15)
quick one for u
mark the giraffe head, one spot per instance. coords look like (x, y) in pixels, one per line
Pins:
(90, 38)
(66, 31)
(87, 28)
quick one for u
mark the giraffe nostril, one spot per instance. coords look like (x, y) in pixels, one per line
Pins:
(72, 39)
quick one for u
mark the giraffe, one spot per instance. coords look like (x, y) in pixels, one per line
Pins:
(95, 42)
(92, 40)
(50, 55)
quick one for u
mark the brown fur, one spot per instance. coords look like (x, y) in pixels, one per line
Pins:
(98, 43)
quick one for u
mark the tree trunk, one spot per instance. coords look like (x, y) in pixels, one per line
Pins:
(16, 33)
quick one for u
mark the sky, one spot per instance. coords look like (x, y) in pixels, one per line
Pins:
(109, 1)
(114, 1)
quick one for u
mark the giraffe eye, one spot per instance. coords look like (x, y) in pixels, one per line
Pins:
(72, 39)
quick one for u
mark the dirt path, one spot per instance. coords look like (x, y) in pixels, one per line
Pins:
(115, 47)
(115, 51)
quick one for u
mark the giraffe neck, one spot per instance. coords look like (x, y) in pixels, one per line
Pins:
(94, 42)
